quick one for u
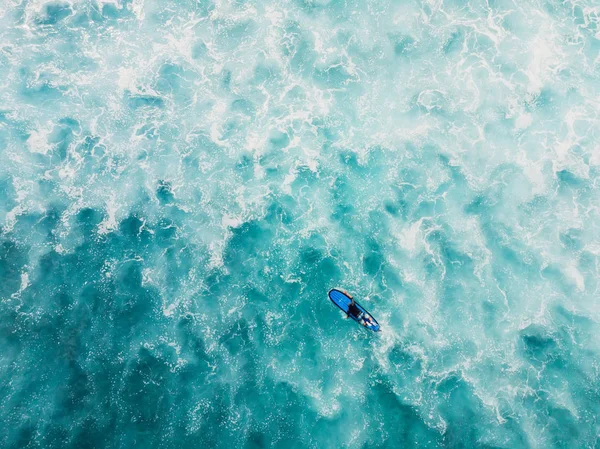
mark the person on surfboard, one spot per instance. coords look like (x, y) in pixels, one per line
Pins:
(354, 311)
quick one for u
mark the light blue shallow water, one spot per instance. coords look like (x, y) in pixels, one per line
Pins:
(181, 183)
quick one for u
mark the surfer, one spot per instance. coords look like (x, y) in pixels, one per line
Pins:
(353, 309)
(360, 316)
(367, 320)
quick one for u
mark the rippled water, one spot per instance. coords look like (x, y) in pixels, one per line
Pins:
(181, 183)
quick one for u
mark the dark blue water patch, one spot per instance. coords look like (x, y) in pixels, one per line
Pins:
(458, 178)
(193, 349)
(149, 131)
(499, 130)
(342, 189)
(49, 222)
(563, 426)
(568, 181)
(406, 199)
(310, 7)
(245, 166)
(55, 340)
(296, 94)
(7, 194)
(71, 123)
(54, 12)
(350, 159)
(317, 270)
(164, 192)
(131, 227)
(165, 232)
(299, 47)
(454, 43)
(143, 399)
(403, 45)
(88, 146)
(284, 427)
(231, 34)
(266, 73)
(200, 145)
(510, 252)
(427, 209)
(173, 79)
(39, 226)
(344, 213)
(402, 424)
(143, 101)
(456, 262)
(578, 17)
(13, 259)
(562, 429)
(199, 50)
(70, 295)
(493, 311)
(232, 128)
(305, 177)
(257, 440)
(407, 367)
(572, 239)
(282, 210)
(39, 91)
(62, 137)
(337, 11)
(335, 76)
(246, 244)
(576, 327)
(478, 206)
(237, 338)
(49, 188)
(544, 102)
(278, 140)
(111, 12)
(376, 161)
(225, 79)
(392, 208)
(373, 259)
(537, 205)
(538, 345)
(84, 18)
(463, 412)
(214, 431)
(243, 106)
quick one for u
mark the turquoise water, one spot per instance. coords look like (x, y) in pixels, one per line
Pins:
(181, 183)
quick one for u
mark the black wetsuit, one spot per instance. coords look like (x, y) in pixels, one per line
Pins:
(354, 310)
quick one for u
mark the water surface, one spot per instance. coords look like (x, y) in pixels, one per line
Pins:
(181, 183)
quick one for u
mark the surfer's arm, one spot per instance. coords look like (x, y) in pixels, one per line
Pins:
(349, 296)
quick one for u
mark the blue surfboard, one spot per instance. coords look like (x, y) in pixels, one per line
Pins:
(342, 300)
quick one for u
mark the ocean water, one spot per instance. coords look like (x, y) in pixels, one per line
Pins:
(182, 181)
